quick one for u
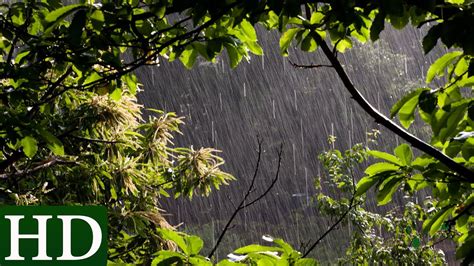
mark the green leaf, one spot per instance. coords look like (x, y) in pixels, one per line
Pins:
(365, 184)
(175, 237)
(414, 94)
(439, 66)
(286, 38)
(445, 123)
(377, 168)
(343, 45)
(256, 248)
(61, 12)
(306, 262)
(97, 19)
(255, 48)
(30, 146)
(227, 262)
(188, 56)
(385, 156)
(166, 257)
(404, 153)
(417, 182)
(234, 55)
(406, 114)
(389, 187)
(194, 243)
(53, 143)
(116, 94)
(433, 223)
(248, 30)
(308, 44)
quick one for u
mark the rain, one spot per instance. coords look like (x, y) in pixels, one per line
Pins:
(267, 98)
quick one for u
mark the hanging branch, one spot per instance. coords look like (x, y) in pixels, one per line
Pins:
(464, 174)
(242, 204)
(330, 229)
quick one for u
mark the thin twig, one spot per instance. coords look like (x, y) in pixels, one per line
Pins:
(308, 66)
(275, 179)
(242, 204)
(341, 218)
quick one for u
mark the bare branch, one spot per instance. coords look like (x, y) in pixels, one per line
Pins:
(330, 229)
(308, 66)
(275, 179)
(242, 204)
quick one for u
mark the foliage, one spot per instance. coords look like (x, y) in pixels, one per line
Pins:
(281, 253)
(72, 132)
(390, 238)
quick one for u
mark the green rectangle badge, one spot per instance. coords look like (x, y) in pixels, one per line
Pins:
(53, 235)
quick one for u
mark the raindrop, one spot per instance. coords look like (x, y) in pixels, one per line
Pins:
(302, 137)
(212, 131)
(306, 184)
(273, 107)
(294, 159)
(220, 100)
(296, 106)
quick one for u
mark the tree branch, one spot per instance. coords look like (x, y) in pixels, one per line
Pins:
(242, 204)
(308, 66)
(45, 164)
(465, 174)
(351, 206)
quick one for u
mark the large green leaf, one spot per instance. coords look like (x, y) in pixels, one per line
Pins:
(175, 237)
(30, 146)
(286, 38)
(248, 31)
(234, 53)
(397, 106)
(385, 156)
(389, 187)
(445, 123)
(256, 248)
(433, 223)
(188, 56)
(194, 243)
(406, 114)
(381, 167)
(439, 66)
(365, 184)
(404, 153)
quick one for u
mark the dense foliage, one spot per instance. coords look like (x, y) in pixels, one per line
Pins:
(72, 132)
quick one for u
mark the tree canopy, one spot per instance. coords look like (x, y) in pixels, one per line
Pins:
(73, 133)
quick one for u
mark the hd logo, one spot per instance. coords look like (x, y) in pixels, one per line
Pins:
(53, 235)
